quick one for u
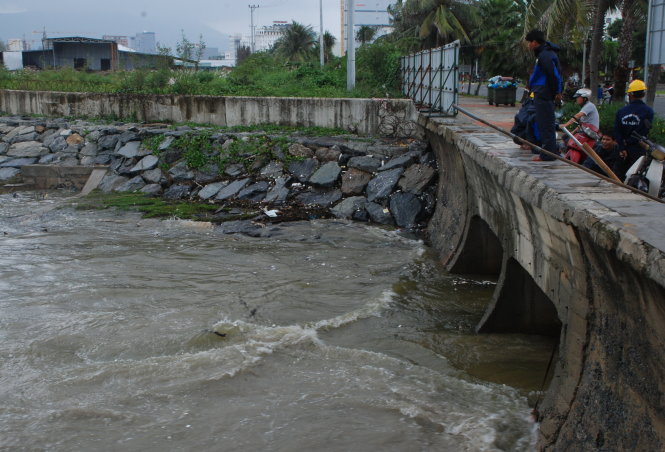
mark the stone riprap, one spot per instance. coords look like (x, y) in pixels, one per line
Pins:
(385, 181)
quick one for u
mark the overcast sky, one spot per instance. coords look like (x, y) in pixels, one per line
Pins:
(214, 19)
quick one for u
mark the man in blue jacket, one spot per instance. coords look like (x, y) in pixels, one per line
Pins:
(545, 83)
(634, 117)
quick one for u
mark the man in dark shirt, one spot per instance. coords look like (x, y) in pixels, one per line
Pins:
(545, 83)
(634, 117)
(607, 150)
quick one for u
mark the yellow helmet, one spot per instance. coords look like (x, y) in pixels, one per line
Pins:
(636, 85)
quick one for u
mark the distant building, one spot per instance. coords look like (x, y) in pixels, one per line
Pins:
(122, 40)
(144, 42)
(265, 37)
(371, 13)
(16, 45)
(90, 54)
(210, 53)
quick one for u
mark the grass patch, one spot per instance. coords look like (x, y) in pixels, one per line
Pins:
(150, 207)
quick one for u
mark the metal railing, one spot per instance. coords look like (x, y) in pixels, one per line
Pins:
(430, 78)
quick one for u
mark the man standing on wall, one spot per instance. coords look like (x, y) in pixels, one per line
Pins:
(545, 83)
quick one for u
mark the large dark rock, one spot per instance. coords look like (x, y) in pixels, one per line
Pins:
(17, 163)
(129, 150)
(350, 208)
(383, 184)
(3, 148)
(232, 189)
(400, 162)
(327, 175)
(379, 214)
(147, 163)
(299, 151)
(134, 184)
(27, 149)
(354, 181)
(90, 150)
(416, 178)
(279, 193)
(170, 156)
(8, 173)
(211, 190)
(108, 141)
(303, 169)
(111, 181)
(319, 197)
(181, 172)
(234, 170)
(364, 163)
(177, 191)
(272, 170)
(254, 192)
(405, 208)
(325, 154)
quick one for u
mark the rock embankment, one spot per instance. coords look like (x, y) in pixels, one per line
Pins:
(390, 182)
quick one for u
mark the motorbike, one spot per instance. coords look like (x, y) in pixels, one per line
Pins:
(646, 174)
(584, 134)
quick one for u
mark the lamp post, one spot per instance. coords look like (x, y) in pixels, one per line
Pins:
(350, 47)
(252, 8)
(321, 33)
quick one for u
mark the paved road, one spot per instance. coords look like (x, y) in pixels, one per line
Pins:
(658, 105)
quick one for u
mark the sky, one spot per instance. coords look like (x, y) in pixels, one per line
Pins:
(215, 20)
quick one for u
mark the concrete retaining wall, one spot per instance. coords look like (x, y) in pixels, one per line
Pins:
(378, 117)
(580, 259)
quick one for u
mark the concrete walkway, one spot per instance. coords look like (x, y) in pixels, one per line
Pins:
(634, 215)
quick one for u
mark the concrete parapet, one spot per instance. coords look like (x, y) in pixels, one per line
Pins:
(378, 117)
(581, 259)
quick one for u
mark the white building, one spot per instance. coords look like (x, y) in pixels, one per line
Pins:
(266, 36)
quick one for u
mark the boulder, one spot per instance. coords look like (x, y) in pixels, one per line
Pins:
(211, 190)
(154, 176)
(4, 147)
(111, 181)
(134, 184)
(90, 149)
(327, 154)
(303, 169)
(75, 139)
(273, 170)
(349, 207)
(354, 181)
(383, 184)
(181, 173)
(405, 208)
(364, 163)
(245, 227)
(232, 189)
(379, 214)
(146, 163)
(27, 149)
(279, 193)
(254, 192)
(8, 173)
(399, 162)
(319, 197)
(177, 191)
(234, 170)
(300, 151)
(327, 175)
(416, 178)
(108, 141)
(17, 163)
(129, 150)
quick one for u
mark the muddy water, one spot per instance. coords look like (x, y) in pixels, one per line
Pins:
(120, 333)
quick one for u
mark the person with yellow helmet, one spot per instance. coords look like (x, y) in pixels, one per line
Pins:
(634, 117)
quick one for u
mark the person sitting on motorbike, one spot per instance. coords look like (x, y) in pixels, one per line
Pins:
(607, 150)
(634, 117)
(588, 113)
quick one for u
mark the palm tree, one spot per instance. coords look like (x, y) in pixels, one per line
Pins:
(328, 45)
(366, 34)
(583, 16)
(431, 23)
(632, 13)
(297, 43)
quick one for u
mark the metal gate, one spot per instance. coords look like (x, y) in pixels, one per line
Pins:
(430, 78)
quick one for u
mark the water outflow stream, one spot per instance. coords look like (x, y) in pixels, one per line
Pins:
(331, 336)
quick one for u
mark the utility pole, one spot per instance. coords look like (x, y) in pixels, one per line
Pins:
(321, 57)
(252, 8)
(350, 47)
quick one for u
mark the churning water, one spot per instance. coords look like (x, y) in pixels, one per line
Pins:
(120, 333)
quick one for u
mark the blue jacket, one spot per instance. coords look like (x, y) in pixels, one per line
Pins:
(545, 81)
(636, 116)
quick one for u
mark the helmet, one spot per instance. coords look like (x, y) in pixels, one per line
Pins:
(636, 85)
(583, 92)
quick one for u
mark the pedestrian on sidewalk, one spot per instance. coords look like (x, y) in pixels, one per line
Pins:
(545, 83)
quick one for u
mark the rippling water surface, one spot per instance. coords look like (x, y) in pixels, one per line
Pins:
(330, 336)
